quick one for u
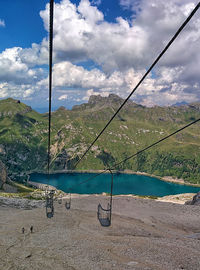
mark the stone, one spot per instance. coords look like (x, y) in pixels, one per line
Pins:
(196, 199)
(9, 188)
(3, 174)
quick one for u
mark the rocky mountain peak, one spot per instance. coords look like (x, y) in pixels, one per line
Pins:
(94, 99)
(61, 108)
(111, 99)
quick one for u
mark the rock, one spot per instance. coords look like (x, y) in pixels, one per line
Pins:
(178, 198)
(21, 203)
(61, 108)
(41, 186)
(8, 188)
(111, 99)
(3, 174)
(26, 254)
(4, 180)
(196, 199)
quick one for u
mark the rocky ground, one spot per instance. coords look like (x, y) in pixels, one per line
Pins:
(145, 234)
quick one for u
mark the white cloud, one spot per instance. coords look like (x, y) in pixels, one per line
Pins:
(13, 69)
(63, 97)
(81, 33)
(121, 51)
(91, 92)
(3, 90)
(27, 93)
(90, 13)
(2, 23)
(160, 20)
(68, 76)
(38, 54)
(130, 4)
(23, 91)
(167, 98)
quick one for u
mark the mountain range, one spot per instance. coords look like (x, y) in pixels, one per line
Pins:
(24, 138)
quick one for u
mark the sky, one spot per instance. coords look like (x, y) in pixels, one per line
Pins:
(100, 47)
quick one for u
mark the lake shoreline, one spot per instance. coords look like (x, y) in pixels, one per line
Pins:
(170, 179)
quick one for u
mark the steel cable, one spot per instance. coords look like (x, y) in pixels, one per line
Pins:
(51, 6)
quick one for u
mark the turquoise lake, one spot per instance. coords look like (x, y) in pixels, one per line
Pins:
(122, 184)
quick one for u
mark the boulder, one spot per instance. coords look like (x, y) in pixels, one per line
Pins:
(21, 203)
(196, 199)
(9, 188)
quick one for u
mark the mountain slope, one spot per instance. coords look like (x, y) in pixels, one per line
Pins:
(23, 137)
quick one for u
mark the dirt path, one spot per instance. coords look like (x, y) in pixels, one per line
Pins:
(145, 235)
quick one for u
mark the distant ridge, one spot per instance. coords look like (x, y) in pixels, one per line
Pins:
(11, 106)
(180, 103)
(98, 100)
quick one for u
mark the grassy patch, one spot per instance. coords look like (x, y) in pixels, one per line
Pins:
(148, 197)
(22, 188)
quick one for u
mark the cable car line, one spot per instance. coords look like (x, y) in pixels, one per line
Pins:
(50, 74)
(50, 195)
(141, 80)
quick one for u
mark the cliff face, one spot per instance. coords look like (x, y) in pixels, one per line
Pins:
(5, 183)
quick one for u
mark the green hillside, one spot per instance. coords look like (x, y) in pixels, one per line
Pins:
(23, 137)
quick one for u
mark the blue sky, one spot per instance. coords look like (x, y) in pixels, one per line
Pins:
(23, 23)
(100, 47)
(25, 26)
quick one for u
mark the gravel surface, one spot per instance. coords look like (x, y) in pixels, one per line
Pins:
(145, 234)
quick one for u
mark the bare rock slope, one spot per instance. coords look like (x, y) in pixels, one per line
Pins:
(145, 234)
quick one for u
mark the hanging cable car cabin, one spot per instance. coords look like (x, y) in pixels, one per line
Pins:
(104, 215)
(68, 203)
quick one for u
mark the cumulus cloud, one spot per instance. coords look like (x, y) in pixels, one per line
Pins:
(121, 52)
(161, 19)
(130, 4)
(2, 23)
(91, 92)
(81, 33)
(3, 90)
(13, 69)
(38, 54)
(68, 76)
(167, 98)
(23, 91)
(63, 97)
(65, 74)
